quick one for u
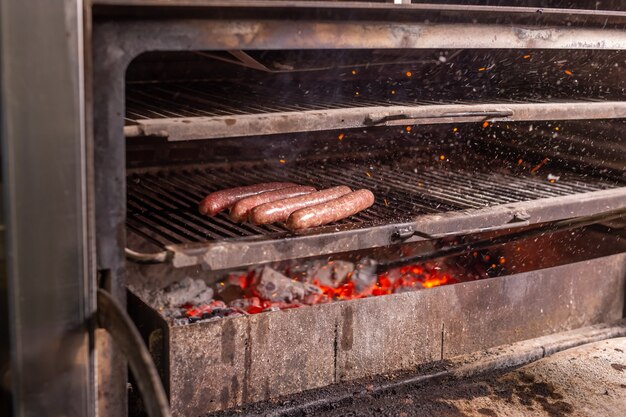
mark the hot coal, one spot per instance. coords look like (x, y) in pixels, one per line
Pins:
(276, 287)
(294, 284)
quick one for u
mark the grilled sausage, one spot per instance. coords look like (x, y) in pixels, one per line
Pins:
(279, 211)
(239, 212)
(332, 211)
(221, 200)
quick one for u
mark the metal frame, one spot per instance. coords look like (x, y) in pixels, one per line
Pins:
(45, 205)
(117, 42)
(214, 127)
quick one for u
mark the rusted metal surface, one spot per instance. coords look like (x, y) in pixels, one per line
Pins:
(134, 37)
(223, 363)
(189, 128)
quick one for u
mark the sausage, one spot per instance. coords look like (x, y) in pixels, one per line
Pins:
(221, 200)
(331, 211)
(239, 212)
(279, 211)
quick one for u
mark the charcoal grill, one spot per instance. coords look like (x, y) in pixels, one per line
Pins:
(466, 121)
(462, 120)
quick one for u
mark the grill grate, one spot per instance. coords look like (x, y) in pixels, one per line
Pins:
(203, 99)
(162, 206)
(203, 110)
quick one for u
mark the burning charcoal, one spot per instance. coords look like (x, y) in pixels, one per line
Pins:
(331, 274)
(322, 273)
(244, 303)
(187, 291)
(364, 276)
(233, 287)
(274, 286)
(342, 270)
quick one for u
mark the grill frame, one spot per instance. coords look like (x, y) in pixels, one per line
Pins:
(116, 42)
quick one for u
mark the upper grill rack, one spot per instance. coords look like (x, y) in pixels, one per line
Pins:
(162, 207)
(202, 110)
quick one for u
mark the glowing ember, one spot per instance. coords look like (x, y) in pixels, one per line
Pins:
(267, 289)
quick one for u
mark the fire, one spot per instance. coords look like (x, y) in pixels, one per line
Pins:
(406, 278)
(292, 284)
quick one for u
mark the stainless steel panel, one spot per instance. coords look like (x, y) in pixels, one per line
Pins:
(44, 204)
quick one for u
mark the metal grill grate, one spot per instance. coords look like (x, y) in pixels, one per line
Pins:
(162, 206)
(202, 110)
(202, 99)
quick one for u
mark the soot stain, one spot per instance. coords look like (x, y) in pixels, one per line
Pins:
(228, 342)
(347, 337)
(487, 412)
(618, 367)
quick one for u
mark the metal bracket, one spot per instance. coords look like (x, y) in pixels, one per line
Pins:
(484, 115)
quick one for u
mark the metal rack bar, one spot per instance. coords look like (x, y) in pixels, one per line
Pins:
(188, 111)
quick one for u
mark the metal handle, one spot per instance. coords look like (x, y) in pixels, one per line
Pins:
(485, 115)
(557, 226)
(117, 322)
(147, 258)
(520, 219)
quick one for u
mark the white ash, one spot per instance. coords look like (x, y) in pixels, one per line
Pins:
(274, 286)
(364, 276)
(187, 291)
(331, 274)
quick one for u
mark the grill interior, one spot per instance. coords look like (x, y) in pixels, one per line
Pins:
(403, 123)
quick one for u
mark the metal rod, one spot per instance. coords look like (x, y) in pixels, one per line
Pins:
(147, 258)
(557, 226)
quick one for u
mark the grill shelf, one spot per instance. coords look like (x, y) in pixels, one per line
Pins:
(430, 199)
(202, 110)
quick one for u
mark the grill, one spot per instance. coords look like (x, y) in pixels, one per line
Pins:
(465, 122)
(162, 205)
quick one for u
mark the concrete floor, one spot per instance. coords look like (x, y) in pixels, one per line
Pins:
(588, 380)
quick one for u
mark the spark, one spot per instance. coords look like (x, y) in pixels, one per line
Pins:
(542, 163)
